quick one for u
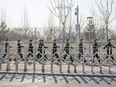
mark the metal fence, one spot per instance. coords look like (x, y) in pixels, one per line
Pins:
(73, 61)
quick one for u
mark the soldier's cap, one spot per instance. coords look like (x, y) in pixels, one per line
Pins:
(19, 40)
(30, 40)
(95, 39)
(42, 39)
(81, 39)
(109, 39)
(67, 40)
(6, 40)
(54, 39)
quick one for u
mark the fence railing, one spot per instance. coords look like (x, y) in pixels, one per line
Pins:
(46, 57)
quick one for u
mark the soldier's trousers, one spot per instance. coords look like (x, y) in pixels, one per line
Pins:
(111, 56)
(80, 55)
(39, 55)
(4, 55)
(96, 56)
(30, 54)
(70, 57)
(56, 55)
(21, 55)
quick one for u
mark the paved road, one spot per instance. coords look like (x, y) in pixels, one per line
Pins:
(80, 79)
(34, 80)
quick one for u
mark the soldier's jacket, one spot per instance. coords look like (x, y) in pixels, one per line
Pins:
(95, 47)
(6, 47)
(30, 49)
(66, 49)
(40, 47)
(81, 47)
(42, 44)
(109, 47)
(55, 47)
(19, 47)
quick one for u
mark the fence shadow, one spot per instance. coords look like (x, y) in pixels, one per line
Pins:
(57, 77)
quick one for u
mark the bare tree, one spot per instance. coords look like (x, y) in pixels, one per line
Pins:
(70, 27)
(51, 29)
(108, 13)
(90, 29)
(61, 9)
(25, 22)
(3, 27)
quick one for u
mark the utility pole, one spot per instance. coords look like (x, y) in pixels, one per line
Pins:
(64, 7)
(77, 27)
(35, 39)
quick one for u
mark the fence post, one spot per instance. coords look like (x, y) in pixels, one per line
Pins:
(100, 64)
(69, 56)
(61, 50)
(1, 60)
(25, 60)
(92, 62)
(83, 61)
(109, 57)
(52, 57)
(34, 57)
(75, 54)
(17, 61)
(43, 59)
(0, 64)
(8, 61)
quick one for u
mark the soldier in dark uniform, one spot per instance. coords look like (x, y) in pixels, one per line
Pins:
(19, 47)
(41, 44)
(39, 55)
(55, 49)
(109, 47)
(80, 48)
(30, 49)
(66, 49)
(6, 47)
(95, 50)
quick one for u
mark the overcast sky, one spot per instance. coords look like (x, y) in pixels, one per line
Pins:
(38, 11)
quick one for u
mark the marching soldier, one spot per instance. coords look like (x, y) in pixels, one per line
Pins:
(30, 49)
(19, 49)
(109, 47)
(95, 50)
(66, 49)
(39, 55)
(6, 47)
(55, 49)
(80, 48)
(41, 44)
